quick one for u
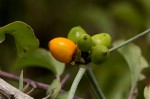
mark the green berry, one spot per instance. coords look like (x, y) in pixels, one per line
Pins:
(102, 39)
(99, 54)
(84, 42)
(75, 32)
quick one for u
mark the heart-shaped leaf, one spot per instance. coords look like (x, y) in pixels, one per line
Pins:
(42, 58)
(23, 35)
(133, 56)
(121, 89)
(27, 48)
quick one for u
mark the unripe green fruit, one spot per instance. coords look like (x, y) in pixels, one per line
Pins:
(102, 39)
(75, 32)
(84, 42)
(99, 54)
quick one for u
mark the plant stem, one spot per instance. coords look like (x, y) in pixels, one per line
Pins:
(64, 80)
(21, 81)
(76, 81)
(30, 82)
(94, 83)
(25, 80)
(130, 40)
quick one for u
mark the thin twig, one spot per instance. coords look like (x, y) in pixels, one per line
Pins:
(26, 87)
(30, 91)
(11, 91)
(130, 40)
(76, 81)
(34, 84)
(64, 80)
(94, 83)
(25, 80)
(90, 73)
(48, 96)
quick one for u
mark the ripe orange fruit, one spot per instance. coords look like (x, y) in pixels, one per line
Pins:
(62, 49)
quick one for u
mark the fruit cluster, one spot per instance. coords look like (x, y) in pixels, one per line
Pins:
(80, 47)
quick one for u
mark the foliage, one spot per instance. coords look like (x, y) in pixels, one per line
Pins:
(136, 62)
(48, 18)
(27, 48)
(23, 35)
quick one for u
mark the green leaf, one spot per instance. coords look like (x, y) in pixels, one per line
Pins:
(42, 58)
(133, 56)
(121, 89)
(147, 92)
(21, 81)
(62, 95)
(54, 89)
(23, 34)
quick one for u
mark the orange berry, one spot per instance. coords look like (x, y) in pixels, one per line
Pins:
(62, 49)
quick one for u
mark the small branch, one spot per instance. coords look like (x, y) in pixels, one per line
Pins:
(76, 81)
(26, 87)
(48, 96)
(30, 91)
(94, 83)
(34, 84)
(130, 40)
(12, 92)
(64, 80)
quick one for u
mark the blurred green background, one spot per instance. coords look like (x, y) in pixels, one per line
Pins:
(122, 19)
